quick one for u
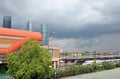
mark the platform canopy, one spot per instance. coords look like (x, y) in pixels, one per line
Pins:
(12, 39)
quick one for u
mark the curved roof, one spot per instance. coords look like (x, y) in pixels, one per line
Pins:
(21, 33)
(13, 39)
(13, 47)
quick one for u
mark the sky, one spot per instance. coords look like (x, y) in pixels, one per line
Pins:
(79, 25)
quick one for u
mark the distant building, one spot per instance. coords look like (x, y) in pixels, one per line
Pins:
(45, 34)
(55, 51)
(11, 40)
(29, 26)
(7, 22)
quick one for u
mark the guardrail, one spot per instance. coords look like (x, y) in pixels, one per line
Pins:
(91, 56)
(2, 61)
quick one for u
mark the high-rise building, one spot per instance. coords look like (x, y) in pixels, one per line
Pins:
(45, 34)
(29, 26)
(7, 21)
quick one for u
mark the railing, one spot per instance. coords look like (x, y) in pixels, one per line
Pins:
(2, 61)
(89, 56)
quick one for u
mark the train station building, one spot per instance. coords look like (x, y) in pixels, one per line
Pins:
(11, 40)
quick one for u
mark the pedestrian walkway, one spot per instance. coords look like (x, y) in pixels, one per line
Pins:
(107, 74)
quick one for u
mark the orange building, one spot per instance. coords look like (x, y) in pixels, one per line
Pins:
(55, 51)
(12, 39)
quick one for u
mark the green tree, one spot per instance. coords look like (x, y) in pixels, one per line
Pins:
(95, 66)
(83, 53)
(31, 62)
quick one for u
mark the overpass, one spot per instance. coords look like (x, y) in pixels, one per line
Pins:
(80, 59)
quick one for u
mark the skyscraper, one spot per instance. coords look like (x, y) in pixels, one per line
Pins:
(29, 26)
(45, 34)
(7, 21)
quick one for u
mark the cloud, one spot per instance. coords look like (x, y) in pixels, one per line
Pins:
(108, 42)
(71, 14)
(72, 20)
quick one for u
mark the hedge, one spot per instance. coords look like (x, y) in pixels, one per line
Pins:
(80, 69)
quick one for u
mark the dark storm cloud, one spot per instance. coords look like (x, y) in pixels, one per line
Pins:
(78, 19)
(89, 32)
(74, 16)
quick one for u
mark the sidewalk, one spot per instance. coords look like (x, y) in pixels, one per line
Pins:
(107, 74)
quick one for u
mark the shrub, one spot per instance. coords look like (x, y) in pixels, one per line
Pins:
(108, 65)
(118, 64)
(80, 69)
(3, 68)
(59, 73)
(95, 66)
(72, 70)
(85, 69)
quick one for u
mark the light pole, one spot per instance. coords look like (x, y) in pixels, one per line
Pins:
(52, 51)
(49, 38)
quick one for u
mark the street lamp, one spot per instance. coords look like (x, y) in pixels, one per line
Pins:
(52, 51)
(49, 38)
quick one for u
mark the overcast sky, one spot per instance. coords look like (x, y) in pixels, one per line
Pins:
(80, 25)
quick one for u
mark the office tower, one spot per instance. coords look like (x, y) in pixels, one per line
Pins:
(45, 34)
(7, 21)
(29, 26)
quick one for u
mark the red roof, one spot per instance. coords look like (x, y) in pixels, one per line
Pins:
(18, 33)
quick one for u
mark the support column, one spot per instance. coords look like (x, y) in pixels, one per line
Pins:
(58, 63)
(54, 64)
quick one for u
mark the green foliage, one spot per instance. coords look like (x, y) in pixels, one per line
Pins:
(108, 65)
(80, 69)
(87, 69)
(3, 68)
(74, 70)
(63, 54)
(118, 64)
(61, 73)
(83, 53)
(95, 66)
(31, 62)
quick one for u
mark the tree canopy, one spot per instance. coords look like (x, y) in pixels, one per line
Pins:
(30, 62)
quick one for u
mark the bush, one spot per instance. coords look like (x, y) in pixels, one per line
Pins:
(118, 64)
(60, 73)
(74, 70)
(3, 68)
(80, 69)
(85, 69)
(108, 65)
(95, 66)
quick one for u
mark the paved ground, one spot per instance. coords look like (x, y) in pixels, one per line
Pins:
(107, 74)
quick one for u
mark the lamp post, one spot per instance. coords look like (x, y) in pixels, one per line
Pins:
(49, 37)
(52, 52)
(55, 74)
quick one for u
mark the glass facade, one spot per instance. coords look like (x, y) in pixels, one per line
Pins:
(29, 26)
(7, 21)
(51, 52)
(45, 34)
(2, 56)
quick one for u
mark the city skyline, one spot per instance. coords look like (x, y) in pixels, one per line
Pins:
(45, 34)
(79, 25)
(7, 22)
